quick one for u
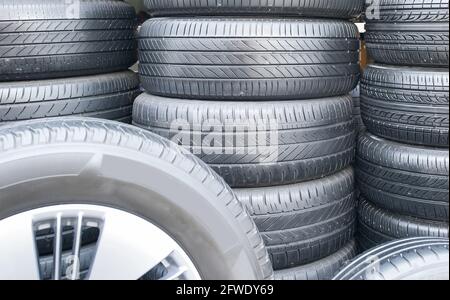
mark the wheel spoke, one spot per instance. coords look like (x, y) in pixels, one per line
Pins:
(128, 248)
(174, 273)
(18, 257)
(124, 246)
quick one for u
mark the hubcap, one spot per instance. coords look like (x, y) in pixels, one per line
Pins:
(89, 242)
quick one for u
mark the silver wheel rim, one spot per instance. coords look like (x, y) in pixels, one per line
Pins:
(126, 246)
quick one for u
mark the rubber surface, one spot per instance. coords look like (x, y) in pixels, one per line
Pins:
(323, 269)
(108, 96)
(405, 179)
(409, 33)
(345, 9)
(248, 58)
(253, 144)
(356, 96)
(407, 104)
(41, 39)
(378, 226)
(409, 259)
(99, 162)
(305, 222)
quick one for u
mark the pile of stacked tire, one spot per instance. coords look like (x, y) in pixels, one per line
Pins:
(67, 58)
(259, 90)
(403, 158)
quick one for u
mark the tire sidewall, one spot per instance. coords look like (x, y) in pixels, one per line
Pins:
(136, 183)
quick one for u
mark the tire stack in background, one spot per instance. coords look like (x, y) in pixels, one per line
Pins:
(67, 58)
(264, 100)
(402, 160)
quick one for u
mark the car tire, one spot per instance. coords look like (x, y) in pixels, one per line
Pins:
(254, 144)
(405, 179)
(408, 259)
(378, 226)
(306, 222)
(344, 9)
(107, 96)
(248, 59)
(414, 33)
(323, 269)
(41, 39)
(406, 104)
(96, 162)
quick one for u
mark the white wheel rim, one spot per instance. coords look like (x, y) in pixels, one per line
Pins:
(127, 247)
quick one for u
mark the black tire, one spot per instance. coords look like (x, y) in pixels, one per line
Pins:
(107, 163)
(378, 226)
(108, 96)
(405, 179)
(344, 9)
(323, 269)
(252, 144)
(407, 104)
(41, 39)
(356, 96)
(412, 33)
(305, 222)
(248, 59)
(408, 259)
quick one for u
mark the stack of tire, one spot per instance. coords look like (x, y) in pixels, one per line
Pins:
(264, 100)
(67, 58)
(403, 158)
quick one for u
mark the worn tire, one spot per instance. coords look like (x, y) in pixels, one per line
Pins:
(108, 96)
(323, 269)
(408, 259)
(248, 59)
(409, 105)
(253, 144)
(411, 33)
(41, 39)
(96, 162)
(378, 226)
(405, 179)
(344, 9)
(304, 222)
